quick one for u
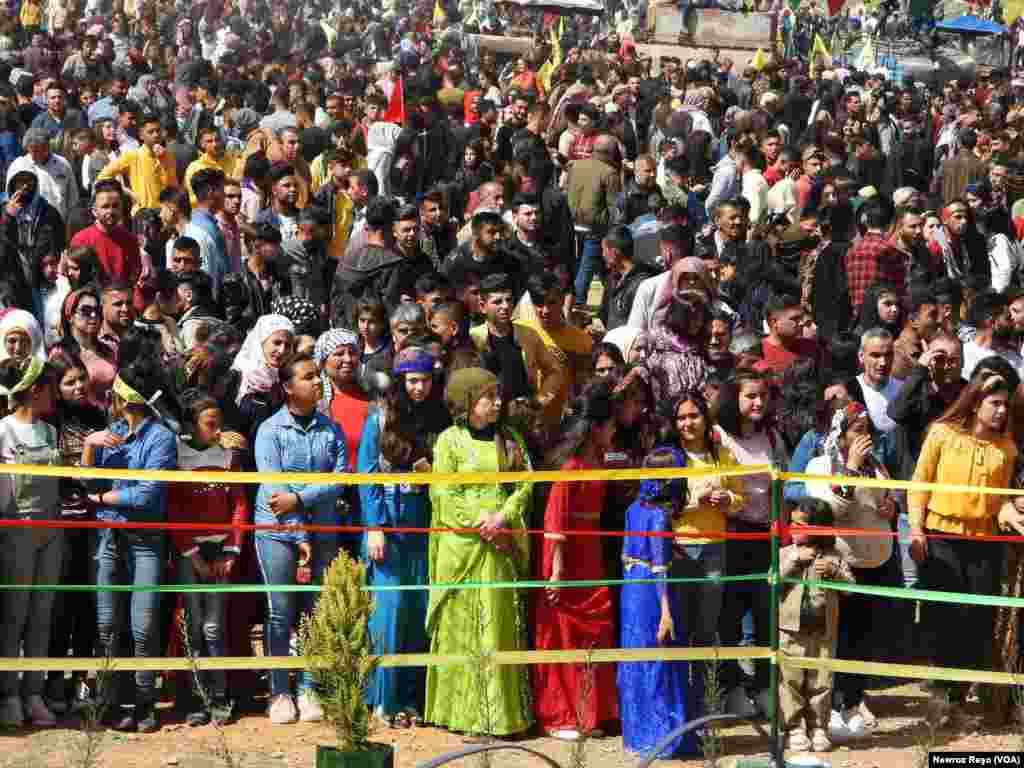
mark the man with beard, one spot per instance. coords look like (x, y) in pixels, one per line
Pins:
(214, 154)
(721, 361)
(624, 278)
(427, 146)
(995, 334)
(921, 325)
(305, 257)
(962, 250)
(519, 105)
(109, 105)
(525, 243)
(638, 190)
(438, 231)
(908, 240)
(484, 255)
(932, 385)
(118, 315)
(116, 246)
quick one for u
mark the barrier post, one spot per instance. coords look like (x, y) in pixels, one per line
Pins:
(773, 585)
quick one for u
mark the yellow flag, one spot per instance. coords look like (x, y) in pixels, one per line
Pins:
(866, 60)
(820, 47)
(439, 16)
(556, 49)
(561, 27)
(758, 61)
(544, 74)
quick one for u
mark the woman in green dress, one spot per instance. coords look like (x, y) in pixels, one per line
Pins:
(477, 698)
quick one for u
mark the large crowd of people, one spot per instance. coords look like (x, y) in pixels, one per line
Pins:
(286, 238)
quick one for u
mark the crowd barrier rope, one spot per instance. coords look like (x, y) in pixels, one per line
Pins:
(778, 530)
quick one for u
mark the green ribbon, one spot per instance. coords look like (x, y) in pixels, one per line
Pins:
(907, 593)
(229, 588)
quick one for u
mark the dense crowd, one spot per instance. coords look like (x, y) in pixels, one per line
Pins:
(285, 239)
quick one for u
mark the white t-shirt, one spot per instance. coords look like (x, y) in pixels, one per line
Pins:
(877, 401)
(975, 353)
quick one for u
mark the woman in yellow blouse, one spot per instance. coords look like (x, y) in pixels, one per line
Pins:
(969, 445)
(710, 501)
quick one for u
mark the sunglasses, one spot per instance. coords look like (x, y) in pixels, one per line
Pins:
(88, 312)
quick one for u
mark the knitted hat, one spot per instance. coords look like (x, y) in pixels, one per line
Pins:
(465, 387)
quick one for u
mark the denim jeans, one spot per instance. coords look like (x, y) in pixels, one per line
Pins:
(278, 560)
(206, 613)
(127, 557)
(591, 263)
(28, 556)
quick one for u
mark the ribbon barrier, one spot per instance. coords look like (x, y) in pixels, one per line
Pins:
(577, 656)
(774, 535)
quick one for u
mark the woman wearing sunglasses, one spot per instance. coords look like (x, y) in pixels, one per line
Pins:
(80, 329)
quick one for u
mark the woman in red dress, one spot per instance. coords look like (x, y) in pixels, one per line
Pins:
(570, 698)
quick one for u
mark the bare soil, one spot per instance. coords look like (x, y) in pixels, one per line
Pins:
(255, 743)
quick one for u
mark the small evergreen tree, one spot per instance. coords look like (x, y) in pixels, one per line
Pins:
(335, 644)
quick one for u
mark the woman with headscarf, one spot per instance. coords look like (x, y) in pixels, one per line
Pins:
(631, 342)
(653, 695)
(80, 328)
(576, 617)
(297, 438)
(264, 350)
(478, 621)
(677, 359)
(852, 449)
(21, 337)
(399, 437)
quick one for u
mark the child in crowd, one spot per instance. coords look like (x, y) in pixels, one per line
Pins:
(808, 624)
(372, 320)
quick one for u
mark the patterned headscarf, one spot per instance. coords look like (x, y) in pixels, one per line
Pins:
(842, 420)
(303, 313)
(326, 345)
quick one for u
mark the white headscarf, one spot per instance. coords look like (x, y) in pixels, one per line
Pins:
(21, 320)
(624, 337)
(257, 375)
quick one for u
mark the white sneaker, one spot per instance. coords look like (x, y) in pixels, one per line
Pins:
(855, 724)
(282, 710)
(869, 718)
(11, 713)
(82, 699)
(838, 730)
(565, 734)
(797, 740)
(310, 710)
(820, 742)
(38, 713)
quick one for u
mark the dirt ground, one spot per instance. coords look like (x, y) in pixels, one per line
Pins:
(255, 743)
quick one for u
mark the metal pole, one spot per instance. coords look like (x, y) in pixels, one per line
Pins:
(773, 583)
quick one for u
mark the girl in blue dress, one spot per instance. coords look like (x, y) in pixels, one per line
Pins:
(653, 695)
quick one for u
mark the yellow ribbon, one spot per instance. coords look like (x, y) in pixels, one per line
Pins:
(28, 377)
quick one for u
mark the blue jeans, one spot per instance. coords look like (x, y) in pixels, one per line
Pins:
(127, 557)
(591, 263)
(206, 614)
(278, 560)
(28, 556)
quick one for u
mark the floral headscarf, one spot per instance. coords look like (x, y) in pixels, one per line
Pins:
(257, 375)
(302, 312)
(326, 345)
(842, 420)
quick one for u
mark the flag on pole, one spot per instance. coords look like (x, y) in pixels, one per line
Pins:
(866, 60)
(758, 61)
(439, 15)
(821, 48)
(554, 61)
(835, 6)
(396, 106)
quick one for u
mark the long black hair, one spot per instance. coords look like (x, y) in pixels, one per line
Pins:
(593, 407)
(671, 433)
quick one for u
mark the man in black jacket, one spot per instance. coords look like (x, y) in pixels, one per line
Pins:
(28, 226)
(625, 276)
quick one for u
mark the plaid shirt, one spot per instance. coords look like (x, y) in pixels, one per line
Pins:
(871, 260)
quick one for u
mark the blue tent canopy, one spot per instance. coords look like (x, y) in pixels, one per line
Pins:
(971, 25)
